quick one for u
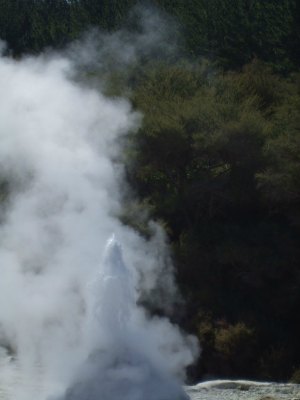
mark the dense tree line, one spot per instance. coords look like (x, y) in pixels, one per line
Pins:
(230, 32)
(216, 161)
(234, 32)
(33, 25)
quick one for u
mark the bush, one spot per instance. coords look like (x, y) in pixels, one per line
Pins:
(233, 339)
(295, 378)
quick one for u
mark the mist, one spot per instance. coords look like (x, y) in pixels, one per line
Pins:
(60, 157)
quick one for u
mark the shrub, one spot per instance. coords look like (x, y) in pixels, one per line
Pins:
(295, 378)
(233, 340)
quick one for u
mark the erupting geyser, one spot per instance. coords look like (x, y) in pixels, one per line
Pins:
(71, 326)
(124, 363)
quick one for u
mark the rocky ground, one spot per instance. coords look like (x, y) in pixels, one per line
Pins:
(243, 390)
(10, 380)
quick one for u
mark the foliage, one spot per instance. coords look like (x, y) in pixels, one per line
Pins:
(33, 25)
(230, 33)
(217, 161)
(295, 377)
(228, 350)
(235, 32)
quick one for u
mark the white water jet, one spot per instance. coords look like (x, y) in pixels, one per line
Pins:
(124, 363)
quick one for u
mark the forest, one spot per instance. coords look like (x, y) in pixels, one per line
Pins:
(216, 162)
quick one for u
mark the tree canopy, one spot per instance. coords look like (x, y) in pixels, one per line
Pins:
(230, 33)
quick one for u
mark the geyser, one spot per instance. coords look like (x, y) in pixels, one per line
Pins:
(124, 363)
(68, 330)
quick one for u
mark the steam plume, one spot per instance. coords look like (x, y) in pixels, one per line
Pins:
(58, 140)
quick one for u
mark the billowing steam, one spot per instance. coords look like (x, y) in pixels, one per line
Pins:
(59, 143)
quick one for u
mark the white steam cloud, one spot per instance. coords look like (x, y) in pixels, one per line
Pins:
(58, 141)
